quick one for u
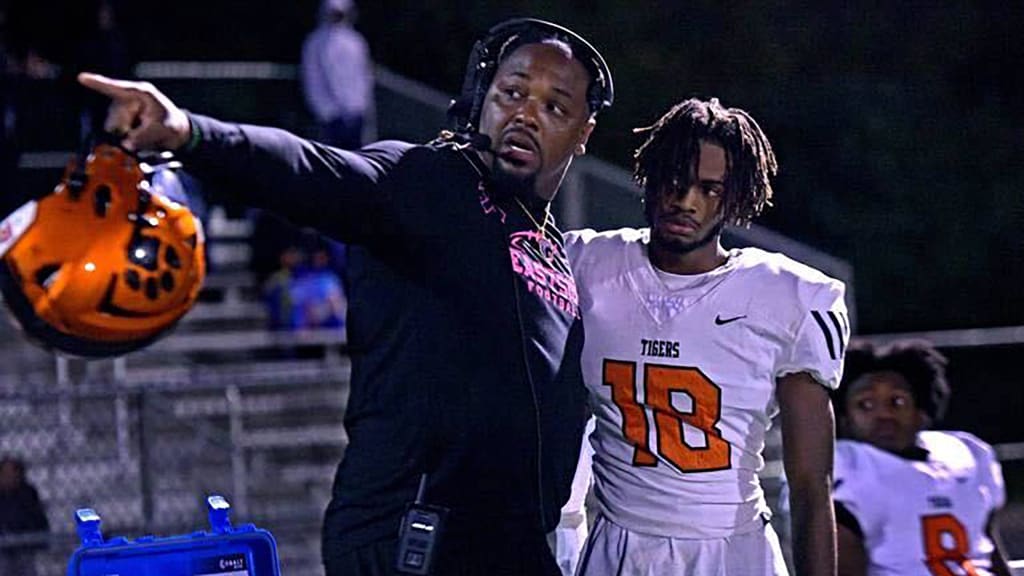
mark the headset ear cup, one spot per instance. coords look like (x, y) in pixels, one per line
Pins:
(486, 76)
(459, 112)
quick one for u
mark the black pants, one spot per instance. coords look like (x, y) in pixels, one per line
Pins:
(502, 555)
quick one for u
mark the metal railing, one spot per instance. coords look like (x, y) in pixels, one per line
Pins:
(146, 448)
(595, 194)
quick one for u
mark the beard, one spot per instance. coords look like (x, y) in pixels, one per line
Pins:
(678, 246)
(506, 185)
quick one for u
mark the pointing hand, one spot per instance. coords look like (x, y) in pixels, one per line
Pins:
(142, 116)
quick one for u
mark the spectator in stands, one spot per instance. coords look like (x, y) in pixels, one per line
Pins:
(317, 297)
(304, 292)
(337, 76)
(910, 500)
(277, 294)
(337, 80)
(23, 523)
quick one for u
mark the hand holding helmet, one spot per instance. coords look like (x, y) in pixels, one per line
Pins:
(112, 258)
(142, 116)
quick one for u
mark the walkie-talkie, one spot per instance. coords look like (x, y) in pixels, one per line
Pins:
(419, 534)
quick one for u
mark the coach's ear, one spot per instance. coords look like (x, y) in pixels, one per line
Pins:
(581, 143)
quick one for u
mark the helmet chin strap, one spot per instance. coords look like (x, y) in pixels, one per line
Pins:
(148, 161)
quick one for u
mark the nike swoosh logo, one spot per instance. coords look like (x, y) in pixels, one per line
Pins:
(719, 321)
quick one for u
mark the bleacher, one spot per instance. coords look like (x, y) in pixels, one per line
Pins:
(220, 405)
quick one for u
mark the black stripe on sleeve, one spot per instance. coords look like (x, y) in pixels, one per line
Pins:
(846, 518)
(826, 332)
(846, 324)
(839, 331)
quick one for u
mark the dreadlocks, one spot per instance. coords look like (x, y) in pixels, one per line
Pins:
(665, 159)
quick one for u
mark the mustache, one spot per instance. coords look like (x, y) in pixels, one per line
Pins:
(521, 132)
(677, 216)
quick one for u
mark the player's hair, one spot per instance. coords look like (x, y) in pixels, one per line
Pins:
(672, 147)
(18, 464)
(920, 364)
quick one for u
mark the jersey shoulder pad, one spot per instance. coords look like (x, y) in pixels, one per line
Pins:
(965, 451)
(785, 277)
(953, 444)
(587, 249)
(858, 469)
(854, 459)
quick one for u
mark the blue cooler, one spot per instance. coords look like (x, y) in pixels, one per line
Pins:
(225, 550)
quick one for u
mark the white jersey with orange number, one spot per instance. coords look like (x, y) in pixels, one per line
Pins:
(922, 516)
(682, 372)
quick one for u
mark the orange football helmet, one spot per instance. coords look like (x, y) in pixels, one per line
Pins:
(107, 262)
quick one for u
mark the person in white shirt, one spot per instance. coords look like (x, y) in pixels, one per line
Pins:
(337, 76)
(690, 350)
(910, 501)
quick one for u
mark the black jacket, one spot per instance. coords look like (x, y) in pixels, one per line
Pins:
(21, 512)
(463, 328)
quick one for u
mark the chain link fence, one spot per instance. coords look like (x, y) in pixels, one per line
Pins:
(144, 439)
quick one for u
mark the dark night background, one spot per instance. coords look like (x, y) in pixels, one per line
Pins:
(897, 125)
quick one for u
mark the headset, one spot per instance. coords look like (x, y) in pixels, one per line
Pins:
(489, 51)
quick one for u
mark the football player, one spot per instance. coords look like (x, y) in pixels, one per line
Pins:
(910, 500)
(690, 351)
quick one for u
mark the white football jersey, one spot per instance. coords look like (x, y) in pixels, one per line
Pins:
(682, 370)
(924, 517)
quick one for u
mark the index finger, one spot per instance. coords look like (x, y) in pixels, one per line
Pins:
(116, 89)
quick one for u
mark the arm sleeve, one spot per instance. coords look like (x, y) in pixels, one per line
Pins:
(336, 191)
(571, 533)
(990, 472)
(576, 242)
(846, 518)
(994, 473)
(821, 337)
(850, 477)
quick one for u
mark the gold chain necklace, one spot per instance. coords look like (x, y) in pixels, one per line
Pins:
(541, 227)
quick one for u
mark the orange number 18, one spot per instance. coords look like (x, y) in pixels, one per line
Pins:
(659, 383)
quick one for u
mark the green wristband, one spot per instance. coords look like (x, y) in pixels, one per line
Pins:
(195, 138)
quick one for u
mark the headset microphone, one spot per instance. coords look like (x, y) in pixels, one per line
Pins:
(481, 143)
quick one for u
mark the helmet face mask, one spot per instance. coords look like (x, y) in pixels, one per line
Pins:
(107, 262)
